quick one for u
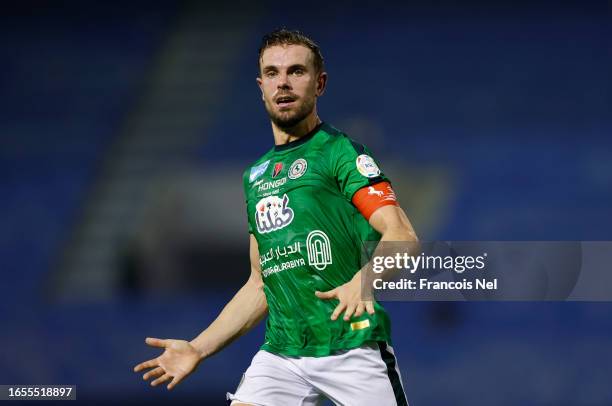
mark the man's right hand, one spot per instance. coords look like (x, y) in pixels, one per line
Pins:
(178, 360)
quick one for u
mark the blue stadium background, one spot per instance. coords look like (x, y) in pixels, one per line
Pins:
(494, 117)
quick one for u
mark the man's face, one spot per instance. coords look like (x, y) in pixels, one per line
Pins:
(289, 83)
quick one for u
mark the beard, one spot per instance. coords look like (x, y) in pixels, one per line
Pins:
(290, 118)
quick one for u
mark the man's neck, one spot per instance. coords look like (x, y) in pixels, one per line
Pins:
(286, 135)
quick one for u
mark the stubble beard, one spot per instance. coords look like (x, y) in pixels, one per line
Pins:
(289, 119)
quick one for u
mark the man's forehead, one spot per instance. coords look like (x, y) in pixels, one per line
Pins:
(286, 55)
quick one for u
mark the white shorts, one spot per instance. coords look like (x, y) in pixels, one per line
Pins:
(366, 376)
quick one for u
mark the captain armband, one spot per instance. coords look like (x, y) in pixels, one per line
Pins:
(370, 198)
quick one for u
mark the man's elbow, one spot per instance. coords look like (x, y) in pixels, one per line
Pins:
(255, 283)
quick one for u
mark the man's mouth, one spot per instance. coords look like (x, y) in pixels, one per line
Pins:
(284, 101)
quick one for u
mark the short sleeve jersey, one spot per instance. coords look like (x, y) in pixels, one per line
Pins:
(310, 237)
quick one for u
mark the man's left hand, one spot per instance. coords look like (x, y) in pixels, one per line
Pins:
(350, 297)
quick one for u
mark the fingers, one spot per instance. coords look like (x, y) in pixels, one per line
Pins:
(175, 381)
(341, 306)
(355, 310)
(153, 373)
(330, 294)
(147, 364)
(369, 307)
(153, 342)
(161, 379)
(360, 309)
(350, 309)
(156, 342)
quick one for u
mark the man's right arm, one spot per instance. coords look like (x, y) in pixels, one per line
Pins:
(180, 358)
(246, 309)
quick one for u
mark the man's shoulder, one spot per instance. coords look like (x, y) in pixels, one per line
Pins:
(339, 140)
(257, 167)
(331, 134)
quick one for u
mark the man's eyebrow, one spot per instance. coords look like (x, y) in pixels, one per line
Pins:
(296, 66)
(290, 68)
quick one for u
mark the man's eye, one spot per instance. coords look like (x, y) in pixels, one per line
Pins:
(298, 72)
(270, 74)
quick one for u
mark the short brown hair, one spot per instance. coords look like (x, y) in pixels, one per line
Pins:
(284, 36)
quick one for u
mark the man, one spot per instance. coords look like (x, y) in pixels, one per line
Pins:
(312, 201)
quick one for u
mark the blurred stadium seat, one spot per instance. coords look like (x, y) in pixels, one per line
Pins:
(125, 128)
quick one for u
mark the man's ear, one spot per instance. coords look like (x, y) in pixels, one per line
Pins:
(321, 83)
(259, 83)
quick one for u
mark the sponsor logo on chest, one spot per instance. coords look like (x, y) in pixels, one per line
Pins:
(285, 257)
(273, 213)
(258, 170)
(271, 184)
(296, 170)
(278, 167)
(319, 249)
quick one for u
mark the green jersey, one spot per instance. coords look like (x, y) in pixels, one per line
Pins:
(310, 238)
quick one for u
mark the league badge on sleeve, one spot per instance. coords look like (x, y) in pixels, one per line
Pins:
(366, 166)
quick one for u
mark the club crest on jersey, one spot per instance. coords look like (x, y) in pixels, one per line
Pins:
(278, 167)
(366, 166)
(273, 213)
(258, 170)
(297, 168)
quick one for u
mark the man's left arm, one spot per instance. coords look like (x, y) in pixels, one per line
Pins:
(391, 222)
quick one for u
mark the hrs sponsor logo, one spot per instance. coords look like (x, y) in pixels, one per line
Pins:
(273, 213)
(263, 186)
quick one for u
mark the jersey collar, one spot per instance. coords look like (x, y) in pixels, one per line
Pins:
(299, 141)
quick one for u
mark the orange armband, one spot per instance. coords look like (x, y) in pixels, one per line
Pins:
(370, 198)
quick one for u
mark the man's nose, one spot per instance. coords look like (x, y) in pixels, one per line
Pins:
(283, 82)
